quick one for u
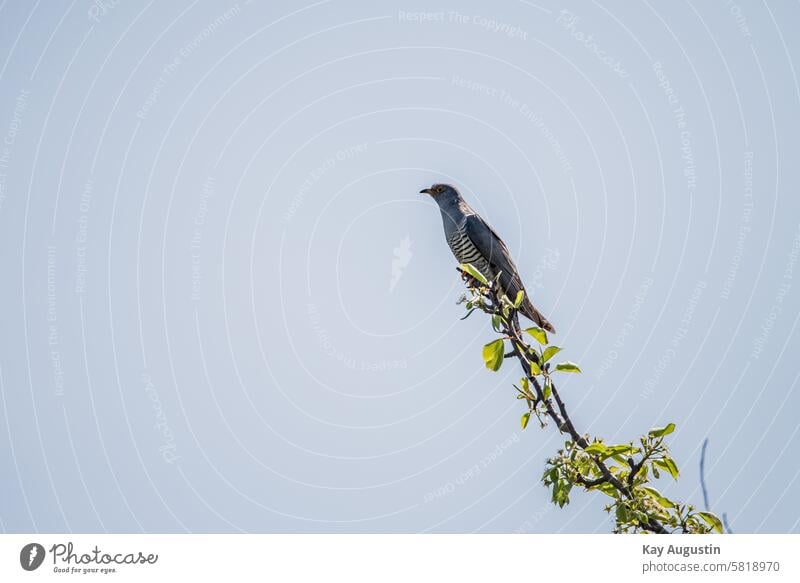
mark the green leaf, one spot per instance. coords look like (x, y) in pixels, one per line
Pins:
(474, 273)
(493, 354)
(669, 465)
(565, 490)
(525, 418)
(548, 389)
(622, 449)
(661, 431)
(672, 468)
(550, 352)
(538, 333)
(496, 322)
(519, 298)
(606, 488)
(568, 366)
(561, 491)
(556, 488)
(598, 448)
(535, 370)
(711, 520)
(622, 514)
(659, 497)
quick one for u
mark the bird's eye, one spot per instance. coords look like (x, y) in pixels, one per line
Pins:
(439, 189)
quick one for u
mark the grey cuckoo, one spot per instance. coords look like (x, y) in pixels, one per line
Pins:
(473, 241)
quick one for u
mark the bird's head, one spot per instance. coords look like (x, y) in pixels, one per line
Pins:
(442, 193)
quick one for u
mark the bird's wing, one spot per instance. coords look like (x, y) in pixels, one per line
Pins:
(491, 246)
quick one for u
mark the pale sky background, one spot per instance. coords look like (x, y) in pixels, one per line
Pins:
(225, 306)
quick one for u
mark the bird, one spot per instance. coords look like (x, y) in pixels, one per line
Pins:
(473, 241)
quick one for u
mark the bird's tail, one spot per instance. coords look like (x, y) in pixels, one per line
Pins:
(535, 316)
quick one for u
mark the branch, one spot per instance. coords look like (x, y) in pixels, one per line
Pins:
(562, 418)
(486, 299)
(703, 473)
(705, 489)
(583, 481)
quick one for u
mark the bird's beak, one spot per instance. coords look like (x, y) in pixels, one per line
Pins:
(426, 191)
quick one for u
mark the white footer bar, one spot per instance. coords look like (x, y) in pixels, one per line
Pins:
(415, 558)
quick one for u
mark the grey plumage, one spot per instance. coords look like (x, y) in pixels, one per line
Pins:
(473, 241)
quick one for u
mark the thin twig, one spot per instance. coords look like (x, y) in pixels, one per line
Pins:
(705, 489)
(703, 475)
